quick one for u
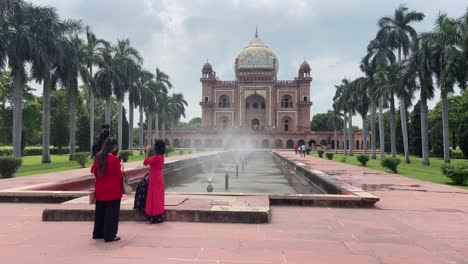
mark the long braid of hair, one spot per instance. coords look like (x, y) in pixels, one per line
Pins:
(106, 149)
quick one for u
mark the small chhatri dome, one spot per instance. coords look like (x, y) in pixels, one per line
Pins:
(207, 67)
(257, 55)
(305, 66)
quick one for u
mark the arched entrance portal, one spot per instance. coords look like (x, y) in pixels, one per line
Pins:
(279, 143)
(265, 143)
(300, 142)
(290, 144)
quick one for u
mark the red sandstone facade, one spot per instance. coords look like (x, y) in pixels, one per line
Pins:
(256, 109)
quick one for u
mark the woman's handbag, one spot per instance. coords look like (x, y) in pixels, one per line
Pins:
(92, 197)
(126, 187)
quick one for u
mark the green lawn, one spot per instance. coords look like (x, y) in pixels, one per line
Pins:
(415, 169)
(32, 164)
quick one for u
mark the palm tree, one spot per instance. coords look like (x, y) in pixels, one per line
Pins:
(400, 33)
(67, 72)
(135, 99)
(127, 60)
(420, 67)
(362, 106)
(163, 80)
(91, 57)
(351, 100)
(176, 110)
(46, 54)
(335, 121)
(449, 60)
(340, 100)
(370, 84)
(106, 78)
(379, 56)
(19, 39)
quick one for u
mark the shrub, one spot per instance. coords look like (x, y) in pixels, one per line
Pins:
(308, 150)
(320, 152)
(457, 154)
(329, 155)
(124, 154)
(391, 164)
(81, 158)
(190, 152)
(363, 159)
(169, 149)
(9, 165)
(181, 152)
(457, 173)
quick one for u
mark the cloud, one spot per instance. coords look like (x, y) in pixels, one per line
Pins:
(178, 36)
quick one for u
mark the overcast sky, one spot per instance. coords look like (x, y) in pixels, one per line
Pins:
(179, 36)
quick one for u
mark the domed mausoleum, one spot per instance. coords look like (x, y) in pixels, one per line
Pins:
(256, 109)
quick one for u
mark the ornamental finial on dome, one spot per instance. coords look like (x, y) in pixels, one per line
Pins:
(256, 31)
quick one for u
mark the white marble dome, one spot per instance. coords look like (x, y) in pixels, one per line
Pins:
(256, 55)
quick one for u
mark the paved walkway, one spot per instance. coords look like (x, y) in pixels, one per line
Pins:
(414, 222)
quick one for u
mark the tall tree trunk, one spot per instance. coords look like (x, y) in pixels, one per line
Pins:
(424, 127)
(381, 130)
(156, 125)
(334, 138)
(130, 128)
(149, 138)
(107, 113)
(404, 129)
(73, 98)
(120, 124)
(163, 127)
(404, 123)
(392, 126)
(18, 86)
(46, 116)
(350, 132)
(172, 133)
(91, 110)
(445, 127)
(345, 135)
(364, 134)
(373, 134)
(142, 132)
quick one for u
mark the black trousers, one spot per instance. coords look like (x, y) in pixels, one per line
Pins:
(106, 219)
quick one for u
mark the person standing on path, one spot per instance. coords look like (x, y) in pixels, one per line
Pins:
(303, 150)
(155, 196)
(108, 188)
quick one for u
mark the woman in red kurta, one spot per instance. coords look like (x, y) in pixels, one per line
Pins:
(155, 195)
(108, 188)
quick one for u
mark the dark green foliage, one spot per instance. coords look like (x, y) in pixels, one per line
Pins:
(81, 158)
(363, 159)
(329, 155)
(308, 150)
(463, 141)
(124, 154)
(324, 122)
(82, 133)
(391, 164)
(190, 152)
(320, 152)
(181, 152)
(414, 131)
(9, 165)
(59, 124)
(169, 149)
(457, 173)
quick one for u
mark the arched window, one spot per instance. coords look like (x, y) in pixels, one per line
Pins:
(305, 98)
(206, 98)
(286, 125)
(224, 102)
(286, 102)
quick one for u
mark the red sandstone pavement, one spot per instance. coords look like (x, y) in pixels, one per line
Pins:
(408, 225)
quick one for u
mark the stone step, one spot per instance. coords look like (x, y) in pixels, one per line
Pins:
(186, 208)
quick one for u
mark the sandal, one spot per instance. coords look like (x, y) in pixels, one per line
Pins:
(116, 238)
